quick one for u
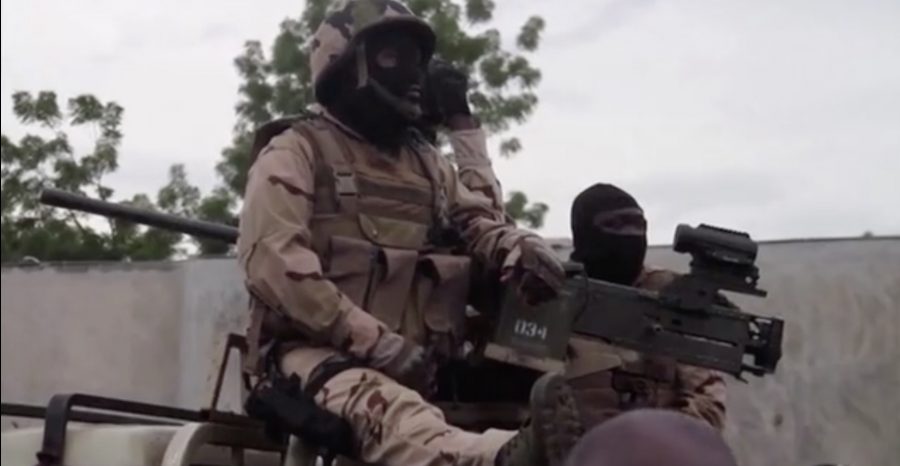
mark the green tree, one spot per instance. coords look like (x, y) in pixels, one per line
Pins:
(216, 207)
(517, 207)
(277, 83)
(42, 160)
(180, 197)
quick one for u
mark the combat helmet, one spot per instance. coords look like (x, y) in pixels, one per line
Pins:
(340, 39)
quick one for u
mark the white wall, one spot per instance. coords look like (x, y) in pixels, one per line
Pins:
(155, 331)
(106, 329)
(836, 395)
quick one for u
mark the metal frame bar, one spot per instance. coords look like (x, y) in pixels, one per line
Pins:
(59, 413)
(61, 409)
(40, 412)
(239, 343)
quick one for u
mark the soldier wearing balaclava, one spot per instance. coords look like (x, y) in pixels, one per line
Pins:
(609, 236)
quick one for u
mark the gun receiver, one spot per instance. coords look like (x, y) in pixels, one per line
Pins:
(688, 320)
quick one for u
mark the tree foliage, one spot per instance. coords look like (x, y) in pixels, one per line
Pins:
(277, 82)
(48, 159)
(532, 215)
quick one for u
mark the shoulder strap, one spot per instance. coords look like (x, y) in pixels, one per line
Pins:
(269, 130)
(426, 155)
(332, 165)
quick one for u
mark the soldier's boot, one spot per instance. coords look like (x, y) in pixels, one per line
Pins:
(554, 428)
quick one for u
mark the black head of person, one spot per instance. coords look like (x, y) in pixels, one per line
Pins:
(367, 64)
(609, 234)
(652, 437)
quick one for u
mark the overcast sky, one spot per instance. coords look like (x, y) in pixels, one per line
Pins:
(778, 117)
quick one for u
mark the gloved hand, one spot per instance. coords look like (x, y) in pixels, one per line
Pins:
(535, 270)
(446, 89)
(406, 362)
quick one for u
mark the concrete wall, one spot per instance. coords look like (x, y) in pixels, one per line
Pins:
(152, 332)
(836, 396)
(155, 332)
(214, 304)
(110, 329)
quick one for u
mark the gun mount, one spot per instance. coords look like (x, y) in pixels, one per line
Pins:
(688, 320)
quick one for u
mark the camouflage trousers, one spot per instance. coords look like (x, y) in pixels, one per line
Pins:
(394, 424)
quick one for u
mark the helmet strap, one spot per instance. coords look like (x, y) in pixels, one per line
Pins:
(362, 68)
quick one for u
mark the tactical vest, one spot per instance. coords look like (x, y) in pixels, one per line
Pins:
(380, 239)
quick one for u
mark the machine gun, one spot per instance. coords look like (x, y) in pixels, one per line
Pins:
(686, 321)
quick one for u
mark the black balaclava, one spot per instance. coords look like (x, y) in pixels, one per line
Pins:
(616, 257)
(379, 95)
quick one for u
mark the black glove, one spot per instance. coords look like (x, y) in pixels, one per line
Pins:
(536, 271)
(446, 89)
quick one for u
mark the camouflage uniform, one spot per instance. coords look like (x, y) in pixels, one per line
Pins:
(608, 381)
(474, 166)
(338, 245)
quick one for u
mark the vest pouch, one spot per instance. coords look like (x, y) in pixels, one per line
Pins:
(443, 290)
(393, 233)
(351, 266)
(392, 285)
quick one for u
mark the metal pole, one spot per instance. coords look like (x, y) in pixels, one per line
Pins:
(197, 228)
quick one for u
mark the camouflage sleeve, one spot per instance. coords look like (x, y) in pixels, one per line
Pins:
(280, 269)
(475, 170)
(488, 238)
(701, 394)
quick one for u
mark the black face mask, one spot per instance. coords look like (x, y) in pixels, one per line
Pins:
(396, 71)
(384, 109)
(612, 258)
(609, 234)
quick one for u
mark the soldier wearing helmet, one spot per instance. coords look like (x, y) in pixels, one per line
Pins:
(357, 242)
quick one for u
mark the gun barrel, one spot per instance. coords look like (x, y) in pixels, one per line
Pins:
(196, 228)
